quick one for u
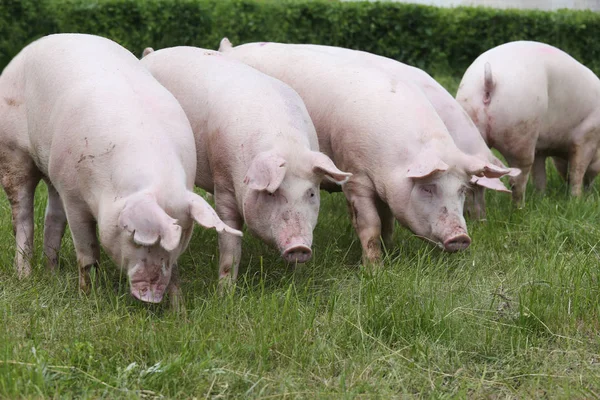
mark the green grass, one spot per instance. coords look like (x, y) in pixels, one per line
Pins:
(514, 316)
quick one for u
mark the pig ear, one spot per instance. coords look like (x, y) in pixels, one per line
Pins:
(143, 218)
(266, 172)
(481, 168)
(323, 166)
(205, 216)
(147, 51)
(513, 172)
(490, 183)
(426, 167)
(225, 45)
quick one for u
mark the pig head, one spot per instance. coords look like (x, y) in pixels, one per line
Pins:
(429, 195)
(145, 241)
(281, 203)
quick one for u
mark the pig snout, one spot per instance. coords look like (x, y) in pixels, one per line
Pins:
(457, 242)
(298, 253)
(148, 283)
(148, 293)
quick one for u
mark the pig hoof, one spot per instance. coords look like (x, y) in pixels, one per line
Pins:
(372, 264)
(297, 254)
(457, 243)
(226, 285)
(51, 265)
(23, 270)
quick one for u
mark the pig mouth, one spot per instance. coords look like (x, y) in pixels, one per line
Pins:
(148, 294)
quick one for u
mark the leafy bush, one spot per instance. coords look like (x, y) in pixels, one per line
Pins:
(440, 40)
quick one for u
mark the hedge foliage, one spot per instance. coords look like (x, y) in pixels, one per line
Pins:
(440, 40)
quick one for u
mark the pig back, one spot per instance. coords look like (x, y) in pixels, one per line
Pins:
(457, 121)
(235, 111)
(365, 120)
(95, 112)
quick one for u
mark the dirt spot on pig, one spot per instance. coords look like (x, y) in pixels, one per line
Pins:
(12, 102)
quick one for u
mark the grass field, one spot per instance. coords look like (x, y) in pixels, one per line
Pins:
(514, 316)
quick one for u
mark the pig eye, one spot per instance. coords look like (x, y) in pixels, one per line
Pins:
(310, 193)
(427, 189)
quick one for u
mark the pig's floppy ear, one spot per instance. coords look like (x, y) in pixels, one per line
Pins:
(143, 218)
(266, 172)
(481, 168)
(426, 167)
(323, 166)
(205, 216)
(490, 183)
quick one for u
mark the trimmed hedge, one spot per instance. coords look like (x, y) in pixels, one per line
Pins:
(439, 40)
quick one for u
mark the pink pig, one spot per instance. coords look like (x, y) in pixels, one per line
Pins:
(257, 149)
(457, 121)
(531, 101)
(384, 131)
(116, 151)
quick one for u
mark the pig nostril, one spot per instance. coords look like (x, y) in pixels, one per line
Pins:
(297, 254)
(457, 243)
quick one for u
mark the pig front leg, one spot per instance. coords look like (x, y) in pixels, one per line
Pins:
(20, 177)
(230, 246)
(55, 222)
(539, 172)
(362, 198)
(174, 290)
(387, 223)
(475, 203)
(83, 229)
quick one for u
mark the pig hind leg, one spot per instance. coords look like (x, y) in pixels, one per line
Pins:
(590, 175)
(523, 161)
(20, 177)
(55, 222)
(581, 154)
(230, 246)
(87, 247)
(365, 218)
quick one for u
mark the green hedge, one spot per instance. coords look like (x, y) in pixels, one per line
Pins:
(439, 40)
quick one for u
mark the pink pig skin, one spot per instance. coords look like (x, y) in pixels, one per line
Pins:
(257, 149)
(531, 101)
(387, 134)
(116, 151)
(457, 121)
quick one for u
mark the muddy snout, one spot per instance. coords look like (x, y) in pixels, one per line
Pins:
(148, 293)
(457, 242)
(149, 284)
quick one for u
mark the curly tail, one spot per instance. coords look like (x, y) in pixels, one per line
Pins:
(488, 83)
